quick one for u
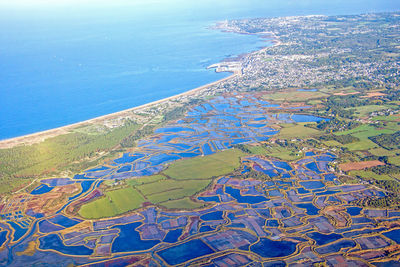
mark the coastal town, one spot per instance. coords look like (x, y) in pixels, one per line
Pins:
(315, 51)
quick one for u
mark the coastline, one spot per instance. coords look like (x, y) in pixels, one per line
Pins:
(38, 137)
(222, 66)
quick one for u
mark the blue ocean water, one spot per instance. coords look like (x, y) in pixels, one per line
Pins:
(66, 61)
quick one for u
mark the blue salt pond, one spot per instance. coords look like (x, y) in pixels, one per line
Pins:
(206, 149)
(330, 177)
(256, 125)
(259, 119)
(394, 235)
(237, 225)
(126, 158)
(313, 166)
(310, 153)
(310, 208)
(182, 147)
(240, 141)
(85, 187)
(57, 181)
(325, 157)
(301, 190)
(270, 249)
(186, 251)
(361, 220)
(173, 235)
(264, 213)
(270, 173)
(312, 184)
(335, 247)
(387, 264)
(54, 242)
(129, 239)
(245, 170)
(3, 237)
(286, 183)
(275, 193)
(41, 189)
(47, 227)
(362, 232)
(206, 228)
(19, 231)
(282, 164)
(299, 107)
(354, 211)
(64, 221)
(80, 177)
(235, 193)
(327, 192)
(323, 239)
(307, 90)
(274, 264)
(306, 118)
(162, 158)
(173, 130)
(212, 216)
(188, 154)
(272, 223)
(126, 168)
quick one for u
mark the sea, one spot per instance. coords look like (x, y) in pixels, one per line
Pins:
(66, 61)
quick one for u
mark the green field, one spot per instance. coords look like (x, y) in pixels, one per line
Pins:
(294, 96)
(373, 132)
(363, 111)
(284, 153)
(364, 144)
(185, 179)
(332, 143)
(205, 167)
(386, 118)
(171, 185)
(113, 203)
(180, 189)
(257, 150)
(395, 160)
(297, 130)
(383, 152)
(145, 180)
(368, 175)
(184, 203)
(362, 128)
(363, 132)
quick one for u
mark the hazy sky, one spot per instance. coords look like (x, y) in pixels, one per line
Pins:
(53, 3)
(216, 9)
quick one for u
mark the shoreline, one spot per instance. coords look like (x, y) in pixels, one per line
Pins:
(38, 137)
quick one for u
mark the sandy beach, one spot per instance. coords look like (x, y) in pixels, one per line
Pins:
(40, 136)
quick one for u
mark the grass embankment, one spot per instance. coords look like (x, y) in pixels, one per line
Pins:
(171, 189)
(73, 152)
